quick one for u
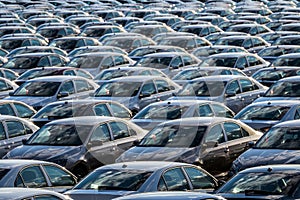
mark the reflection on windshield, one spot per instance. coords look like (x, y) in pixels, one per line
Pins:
(262, 183)
(119, 89)
(168, 112)
(174, 136)
(226, 62)
(60, 135)
(264, 113)
(280, 138)
(203, 88)
(38, 88)
(284, 89)
(110, 179)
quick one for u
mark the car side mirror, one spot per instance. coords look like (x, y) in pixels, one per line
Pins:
(24, 141)
(251, 144)
(136, 142)
(230, 94)
(62, 94)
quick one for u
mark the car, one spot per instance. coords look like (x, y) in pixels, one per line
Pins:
(8, 74)
(168, 62)
(170, 196)
(201, 30)
(40, 91)
(235, 91)
(139, 52)
(289, 27)
(283, 89)
(161, 36)
(213, 37)
(151, 30)
(131, 25)
(90, 49)
(140, 177)
(287, 40)
(35, 174)
(270, 75)
(14, 29)
(210, 142)
(279, 145)
(158, 112)
(82, 107)
(272, 52)
(80, 144)
(263, 115)
(231, 22)
(123, 21)
(10, 43)
(272, 181)
(6, 87)
(116, 72)
(16, 108)
(290, 59)
(52, 32)
(36, 49)
(271, 37)
(68, 43)
(136, 92)
(30, 193)
(51, 71)
(110, 36)
(98, 31)
(12, 131)
(247, 62)
(188, 43)
(22, 62)
(95, 62)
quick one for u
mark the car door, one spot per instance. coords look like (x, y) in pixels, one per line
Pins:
(101, 147)
(249, 91)
(31, 177)
(233, 98)
(82, 88)
(164, 90)
(173, 180)
(214, 150)
(147, 93)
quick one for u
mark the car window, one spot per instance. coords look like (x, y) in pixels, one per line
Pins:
(32, 177)
(23, 111)
(233, 87)
(101, 133)
(297, 113)
(9, 75)
(162, 85)
(187, 60)
(119, 130)
(107, 62)
(234, 131)
(199, 179)
(176, 63)
(252, 60)
(101, 110)
(3, 86)
(55, 60)
(204, 111)
(83, 74)
(247, 43)
(174, 180)
(247, 85)
(2, 132)
(241, 63)
(119, 60)
(215, 134)
(119, 111)
(69, 72)
(81, 85)
(59, 177)
(15, 128)
(6, 109)
(221, 111)
(67, 87)
(44, 61)
(148, 88)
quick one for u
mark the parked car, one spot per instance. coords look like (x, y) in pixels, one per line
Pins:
(272, 52)
(36, 49)
(35, 174)
(76, 108)
(6, 87)
(234, 91)
(12, 131)
(264, 182)
(8, 74)
(121, 179)
(210, 142)
(136, 92)
(290, 59)
(156, 113)
(80, 144)
(30, 193)
(90, 49)
(263, 115)
(280, 145)
(170, 196)
(16, 108)
(38, 92)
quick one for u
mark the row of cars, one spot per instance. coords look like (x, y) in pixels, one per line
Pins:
(154, 83)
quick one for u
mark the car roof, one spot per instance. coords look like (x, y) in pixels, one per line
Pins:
(84, 120)
(142, 78)
(166, 54)
(291, 123)
(218, 78)
(197, 121)
(81, 102)
(276, 103)
(22, 193)
(11, 163)
(144, 165)
(289, 168)
(56, 78)
(182, 102)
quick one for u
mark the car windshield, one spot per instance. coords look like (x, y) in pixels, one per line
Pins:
(86, 62)
(262, 183)
(234, 42)
(60, 135)
(271, 52)
(280, 138)
(64, 110)
(166, 112)
(174, 136)
(226, 62)
(287, 62)
(114, 179)
(37, 88)
(118, 89)
(284, 89)
(38, 73)
(271, 75)
(203, 88)
(191, 74)
(110, 74)
(22, 63)
(156, 62)
(263, 113)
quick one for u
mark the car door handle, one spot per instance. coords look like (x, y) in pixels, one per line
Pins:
(226, 150)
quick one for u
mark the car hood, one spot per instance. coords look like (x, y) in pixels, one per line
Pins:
(78, 194)
(260, 99)
(42, 152)
(32, 101)
(152, 153)
(255, 157)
